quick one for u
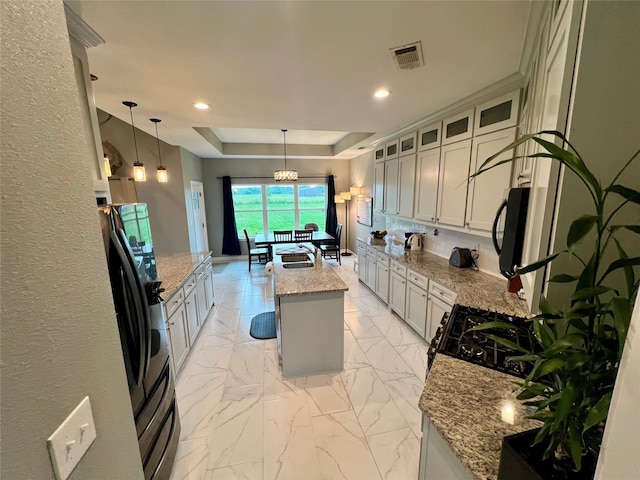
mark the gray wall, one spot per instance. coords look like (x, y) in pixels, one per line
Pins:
(242, 167)
(166, 201)
(59, 336)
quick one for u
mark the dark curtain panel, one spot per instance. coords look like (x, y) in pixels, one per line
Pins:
(332, 217)
(230, 242)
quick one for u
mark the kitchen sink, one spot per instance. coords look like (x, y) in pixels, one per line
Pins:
(294, 257)
(298, 264)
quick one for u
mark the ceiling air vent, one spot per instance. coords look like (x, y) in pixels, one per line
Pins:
(408, 56)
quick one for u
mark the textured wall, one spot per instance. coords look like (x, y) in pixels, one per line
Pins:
(59, 337)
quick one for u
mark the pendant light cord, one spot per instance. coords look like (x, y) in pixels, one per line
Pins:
(284, 132)
(158, 140)
(133, 129)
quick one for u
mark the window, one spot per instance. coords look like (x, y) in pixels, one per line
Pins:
(264, 208)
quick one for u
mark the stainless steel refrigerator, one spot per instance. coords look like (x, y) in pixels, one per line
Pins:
(143, 336)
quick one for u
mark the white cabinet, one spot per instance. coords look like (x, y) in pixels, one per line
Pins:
(378, 186)
(210, 288)
(458, 127)
(191, 307)
(430, 136)
(204, 287)
(177, 329)
(397, 287)
(370, 279)
(452, 183)
(361, 251)
(406, 182)
(440, 301)
(415, 313)
(407, 144)
(497, 114)
(390, 193)
(426, 190)
(382, 277)
(486, 192)
(378, 154)
(391, 149)
(437, 460)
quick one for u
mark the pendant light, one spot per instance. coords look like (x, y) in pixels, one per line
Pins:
(139, 174)
(285, 175)
(162, 172)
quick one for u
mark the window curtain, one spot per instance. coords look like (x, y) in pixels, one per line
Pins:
(230, 242)
(332, 218)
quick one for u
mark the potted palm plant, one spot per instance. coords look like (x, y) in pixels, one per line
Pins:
(579, 346)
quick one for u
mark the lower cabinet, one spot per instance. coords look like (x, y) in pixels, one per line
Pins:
(186, 311)
(382, 277)
(193, 323)
(361, 251)
(178, 336)
(370, 271)
(440, 301)
(415, 312)
(437, 460)
(397, 288)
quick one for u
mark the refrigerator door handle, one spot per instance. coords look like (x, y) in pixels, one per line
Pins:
(145, 324)
(139, 313)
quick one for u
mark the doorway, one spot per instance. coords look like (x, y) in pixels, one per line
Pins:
(199, 217)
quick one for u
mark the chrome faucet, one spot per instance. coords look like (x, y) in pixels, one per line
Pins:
(317, 254)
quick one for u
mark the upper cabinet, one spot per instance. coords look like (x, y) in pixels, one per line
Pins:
(408, 144)
(426, 190)
(497, 114)
(378, 154)
(458, 127)
(406, 182)
(452, 183)
(391, 150)
(430, 136)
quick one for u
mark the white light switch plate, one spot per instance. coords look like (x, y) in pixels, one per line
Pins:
(72, 439)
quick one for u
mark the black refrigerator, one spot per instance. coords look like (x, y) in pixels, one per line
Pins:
(143, 336)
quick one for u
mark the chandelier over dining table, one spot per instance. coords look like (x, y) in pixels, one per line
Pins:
(285, 175)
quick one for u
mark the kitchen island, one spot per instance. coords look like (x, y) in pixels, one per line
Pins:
(309, 305)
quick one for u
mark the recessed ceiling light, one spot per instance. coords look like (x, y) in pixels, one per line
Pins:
(381, 93)
(202, 106)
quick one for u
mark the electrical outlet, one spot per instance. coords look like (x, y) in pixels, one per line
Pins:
(72, 439)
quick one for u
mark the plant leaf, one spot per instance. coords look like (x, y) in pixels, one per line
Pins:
(621, 319)
(563, 278)
(568, 397)
(506, 343)
(545, 335)
(542, 433)
(590, 292)
(575, 446)
(587, 277)
(523, 358)
(569, 341)
(627, 193)
(489, 325)
(629, 274)
(579, 228)
(598, 412)
(621, 263)
(538, 264)
(549, 366)
(633, 228)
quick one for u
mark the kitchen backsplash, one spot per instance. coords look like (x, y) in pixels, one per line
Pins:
(443, 243)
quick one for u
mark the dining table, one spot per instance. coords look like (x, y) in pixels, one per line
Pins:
(268, 240)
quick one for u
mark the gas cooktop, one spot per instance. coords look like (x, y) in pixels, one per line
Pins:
(453, 339)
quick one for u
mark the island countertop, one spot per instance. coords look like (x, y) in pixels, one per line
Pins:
(174, 268)
(307, 281)
(474, 289)
(473, 408)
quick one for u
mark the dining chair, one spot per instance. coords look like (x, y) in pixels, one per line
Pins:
(303, 235)
(332, 250)
(262, 254)
(283, 235)
(315, 228)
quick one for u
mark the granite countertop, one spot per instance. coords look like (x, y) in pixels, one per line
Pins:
(306, 281)
(473, 288)
(174, 268)
(470, 405)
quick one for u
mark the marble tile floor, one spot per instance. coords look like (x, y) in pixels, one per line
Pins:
(242, 420)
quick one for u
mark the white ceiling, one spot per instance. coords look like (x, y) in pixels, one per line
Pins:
(308, 66)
